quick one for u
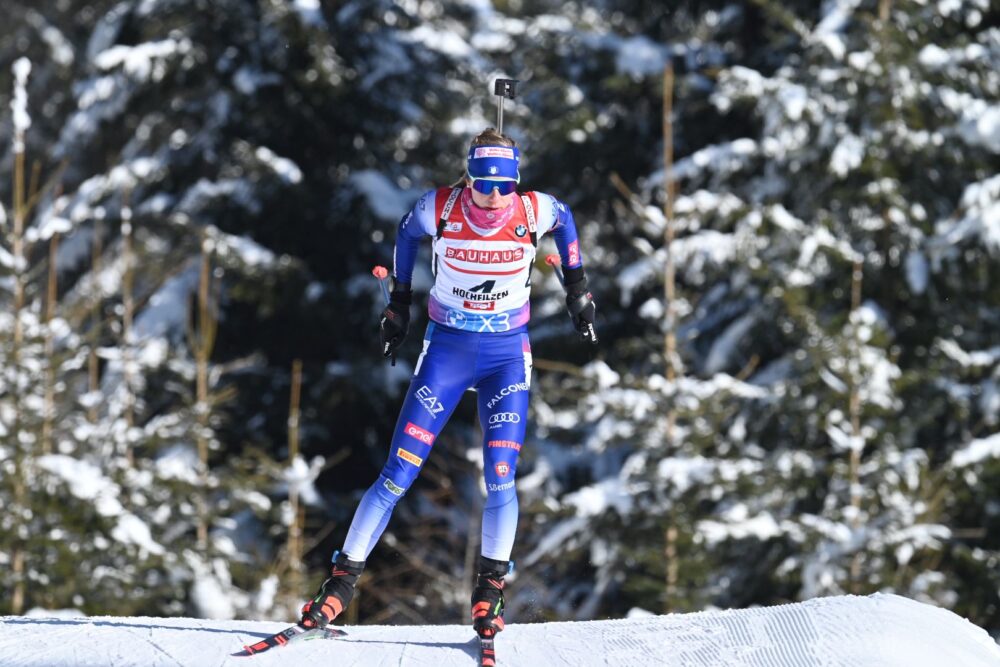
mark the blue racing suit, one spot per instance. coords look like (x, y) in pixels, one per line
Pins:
(477, 339)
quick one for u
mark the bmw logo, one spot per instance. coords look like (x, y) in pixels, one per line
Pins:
(493, 170)
(456, 319)
(520, 230)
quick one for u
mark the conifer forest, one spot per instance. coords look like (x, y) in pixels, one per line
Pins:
(789, 213)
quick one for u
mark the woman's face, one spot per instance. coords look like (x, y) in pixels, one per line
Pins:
(492, 200)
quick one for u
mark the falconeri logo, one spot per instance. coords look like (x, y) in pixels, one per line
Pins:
(507, 391)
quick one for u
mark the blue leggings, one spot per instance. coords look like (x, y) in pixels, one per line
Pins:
(498, 366)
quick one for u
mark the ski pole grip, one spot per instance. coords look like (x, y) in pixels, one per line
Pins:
(554, 261)
(381, 274)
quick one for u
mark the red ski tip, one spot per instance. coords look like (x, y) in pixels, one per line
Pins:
(380, 272)
(552, 259)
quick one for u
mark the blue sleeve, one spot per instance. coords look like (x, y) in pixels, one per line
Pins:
(564, 231)
(412, 227)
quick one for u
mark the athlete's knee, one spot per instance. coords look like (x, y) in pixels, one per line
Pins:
(500, 498)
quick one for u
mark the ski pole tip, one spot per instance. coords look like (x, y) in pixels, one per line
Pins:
(552, 260)
(380, 272)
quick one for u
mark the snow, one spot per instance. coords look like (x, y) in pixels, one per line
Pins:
(88, 483)
(144, 61)
(310, 12)
(847, 156)
(640, 57)
(287, 170)
(19, 105)
(301, 478)
(879, 630)
(386, 200)
(980, 209)
(976, 451)
(60, 48)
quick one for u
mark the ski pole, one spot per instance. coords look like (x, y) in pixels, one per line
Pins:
(382, 275)
(553, 260)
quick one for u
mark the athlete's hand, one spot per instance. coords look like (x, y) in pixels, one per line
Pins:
(580, 304)
(395, 320)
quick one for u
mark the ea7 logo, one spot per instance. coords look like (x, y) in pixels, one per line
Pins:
(420, 434)
(429, 401)
(503, 469)
(505, 418)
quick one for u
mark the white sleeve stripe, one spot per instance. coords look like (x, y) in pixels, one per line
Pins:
(546, 213)
(424, 210)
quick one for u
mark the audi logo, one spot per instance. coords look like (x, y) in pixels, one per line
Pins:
(508, 417)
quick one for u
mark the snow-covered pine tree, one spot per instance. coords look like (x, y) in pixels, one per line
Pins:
(811, 255)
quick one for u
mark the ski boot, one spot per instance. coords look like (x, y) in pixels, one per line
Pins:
(335, 593)
(487, 597)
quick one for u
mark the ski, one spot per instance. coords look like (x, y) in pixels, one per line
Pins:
(295, 633)
(487, 654)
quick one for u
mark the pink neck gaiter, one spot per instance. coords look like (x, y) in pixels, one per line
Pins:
(485, 218)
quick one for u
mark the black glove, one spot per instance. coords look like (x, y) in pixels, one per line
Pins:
(580, 303)
(395, 321)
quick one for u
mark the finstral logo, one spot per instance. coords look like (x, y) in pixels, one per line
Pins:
(493, 151)
(503, 469)
(429, 401)
(420, 434)
(507, 391)
(409, 457)
(504, 444)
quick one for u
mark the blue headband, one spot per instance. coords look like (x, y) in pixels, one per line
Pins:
(494, 162)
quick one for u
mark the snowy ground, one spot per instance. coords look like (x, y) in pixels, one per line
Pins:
(875, 631)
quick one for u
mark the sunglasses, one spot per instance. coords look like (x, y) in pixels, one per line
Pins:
(487, 185)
